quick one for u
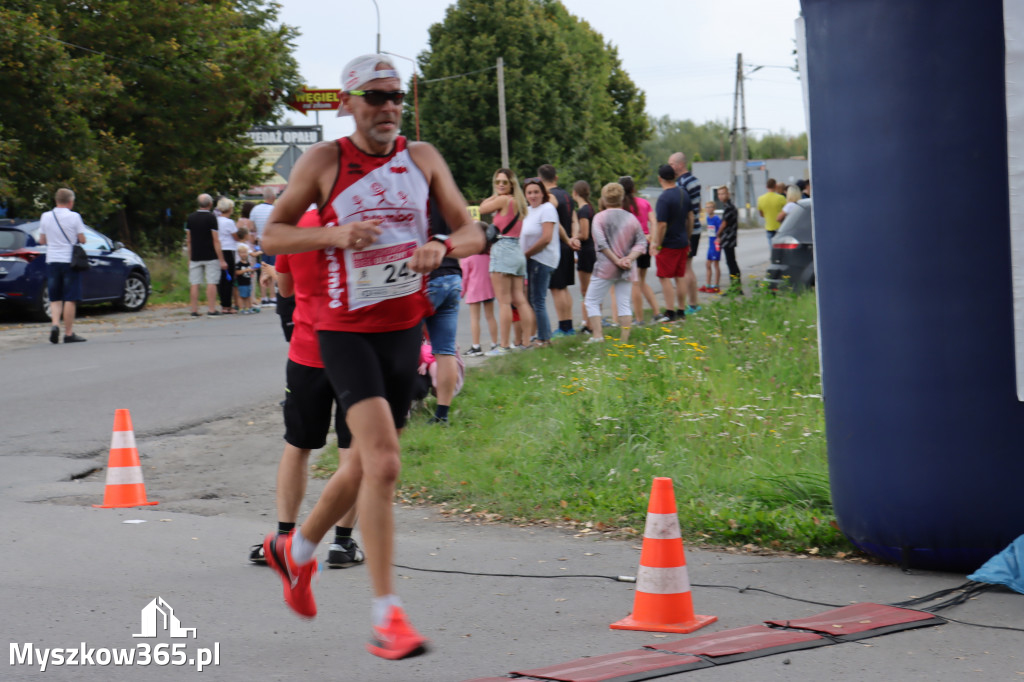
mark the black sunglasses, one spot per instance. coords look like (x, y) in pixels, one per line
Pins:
(377, 98)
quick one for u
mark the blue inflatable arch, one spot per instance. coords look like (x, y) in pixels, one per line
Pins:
(915, 271)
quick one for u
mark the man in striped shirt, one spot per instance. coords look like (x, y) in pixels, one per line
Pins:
(688, 182)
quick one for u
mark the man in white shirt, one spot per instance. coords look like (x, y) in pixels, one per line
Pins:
(260, 212)
(259, 215)
(60, 230)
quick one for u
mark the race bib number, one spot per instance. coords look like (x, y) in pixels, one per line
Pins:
(379, 273)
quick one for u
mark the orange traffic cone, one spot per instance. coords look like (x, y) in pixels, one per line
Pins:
(124, 473)
(663, 602)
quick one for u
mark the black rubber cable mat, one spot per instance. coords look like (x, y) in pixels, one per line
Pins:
(859, 621)
(836, 626)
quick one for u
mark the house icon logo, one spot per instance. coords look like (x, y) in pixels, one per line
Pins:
(158, 615)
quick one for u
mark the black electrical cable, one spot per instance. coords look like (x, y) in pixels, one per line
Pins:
(956, 600)
(748, 588)
(960, 594)
(971, 589)
(933, 596)
(621, 578)
(982, 625)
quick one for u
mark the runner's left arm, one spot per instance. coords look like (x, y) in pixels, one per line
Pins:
(466, 239)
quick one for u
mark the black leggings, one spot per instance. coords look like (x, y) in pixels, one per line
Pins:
(227, 284)
(730, 260)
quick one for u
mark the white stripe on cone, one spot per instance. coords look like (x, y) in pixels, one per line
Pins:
(662, 527)
(124, 475)
(122, 439)
(675, 580)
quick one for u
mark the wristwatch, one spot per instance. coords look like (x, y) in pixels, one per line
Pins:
(444, 239)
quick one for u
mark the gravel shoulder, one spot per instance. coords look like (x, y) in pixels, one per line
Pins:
(18, 331)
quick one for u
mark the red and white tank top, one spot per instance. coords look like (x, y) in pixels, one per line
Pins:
(373, 289)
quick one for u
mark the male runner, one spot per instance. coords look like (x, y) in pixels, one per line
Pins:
(307, 406)
(369, 322)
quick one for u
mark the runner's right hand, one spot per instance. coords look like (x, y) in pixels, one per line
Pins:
(360, 235)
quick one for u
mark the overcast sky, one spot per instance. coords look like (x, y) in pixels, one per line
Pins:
(681, 53)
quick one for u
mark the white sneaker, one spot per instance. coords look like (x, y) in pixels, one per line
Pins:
(595, 339)
(498, 351)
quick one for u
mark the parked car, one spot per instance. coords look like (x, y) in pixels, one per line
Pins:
(793, 251)
(117, 274)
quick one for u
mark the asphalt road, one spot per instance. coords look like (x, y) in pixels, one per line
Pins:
(173, 372)
(203, 397)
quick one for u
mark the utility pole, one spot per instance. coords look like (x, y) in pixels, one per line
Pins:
(739, 125)
(747, 187)
(735, 119)
(501, 113)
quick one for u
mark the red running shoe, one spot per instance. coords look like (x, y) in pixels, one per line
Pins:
(297, 580)
(397, 639)
(703, 289)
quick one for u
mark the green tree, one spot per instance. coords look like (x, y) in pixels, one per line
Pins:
(709, 141)
(568, 100)
(50, 117)
(138, 106)
(779, 146)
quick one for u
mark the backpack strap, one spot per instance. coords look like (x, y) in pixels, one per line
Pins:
(515, 218)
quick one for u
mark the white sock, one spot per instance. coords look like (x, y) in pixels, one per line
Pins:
(382, 606)
(302, 549)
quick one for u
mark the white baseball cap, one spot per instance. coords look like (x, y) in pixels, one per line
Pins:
(363, 69)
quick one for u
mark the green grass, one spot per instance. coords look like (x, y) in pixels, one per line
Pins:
(726, 404)
(169, 275)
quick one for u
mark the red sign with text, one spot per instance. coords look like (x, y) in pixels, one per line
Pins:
(310, 99)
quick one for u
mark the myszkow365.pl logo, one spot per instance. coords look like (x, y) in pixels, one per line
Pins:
(157, 618)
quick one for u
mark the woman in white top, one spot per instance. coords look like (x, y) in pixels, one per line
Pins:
(542, 253)
(229, 247)
(793, 195)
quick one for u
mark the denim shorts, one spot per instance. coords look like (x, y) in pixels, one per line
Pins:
(244, 290)
(63, 283)
(508, 258)
(444, 293)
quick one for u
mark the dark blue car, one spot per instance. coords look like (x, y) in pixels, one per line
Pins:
(117, 275)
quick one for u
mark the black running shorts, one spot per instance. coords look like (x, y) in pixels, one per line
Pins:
(564, 275)
(644, 261)
(586, 258)
(373, 365)
(694, 243)
(308, 401)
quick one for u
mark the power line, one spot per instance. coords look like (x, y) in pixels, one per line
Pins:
(458, 75)
(97, 52)
(772, 80)
(755, 67)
